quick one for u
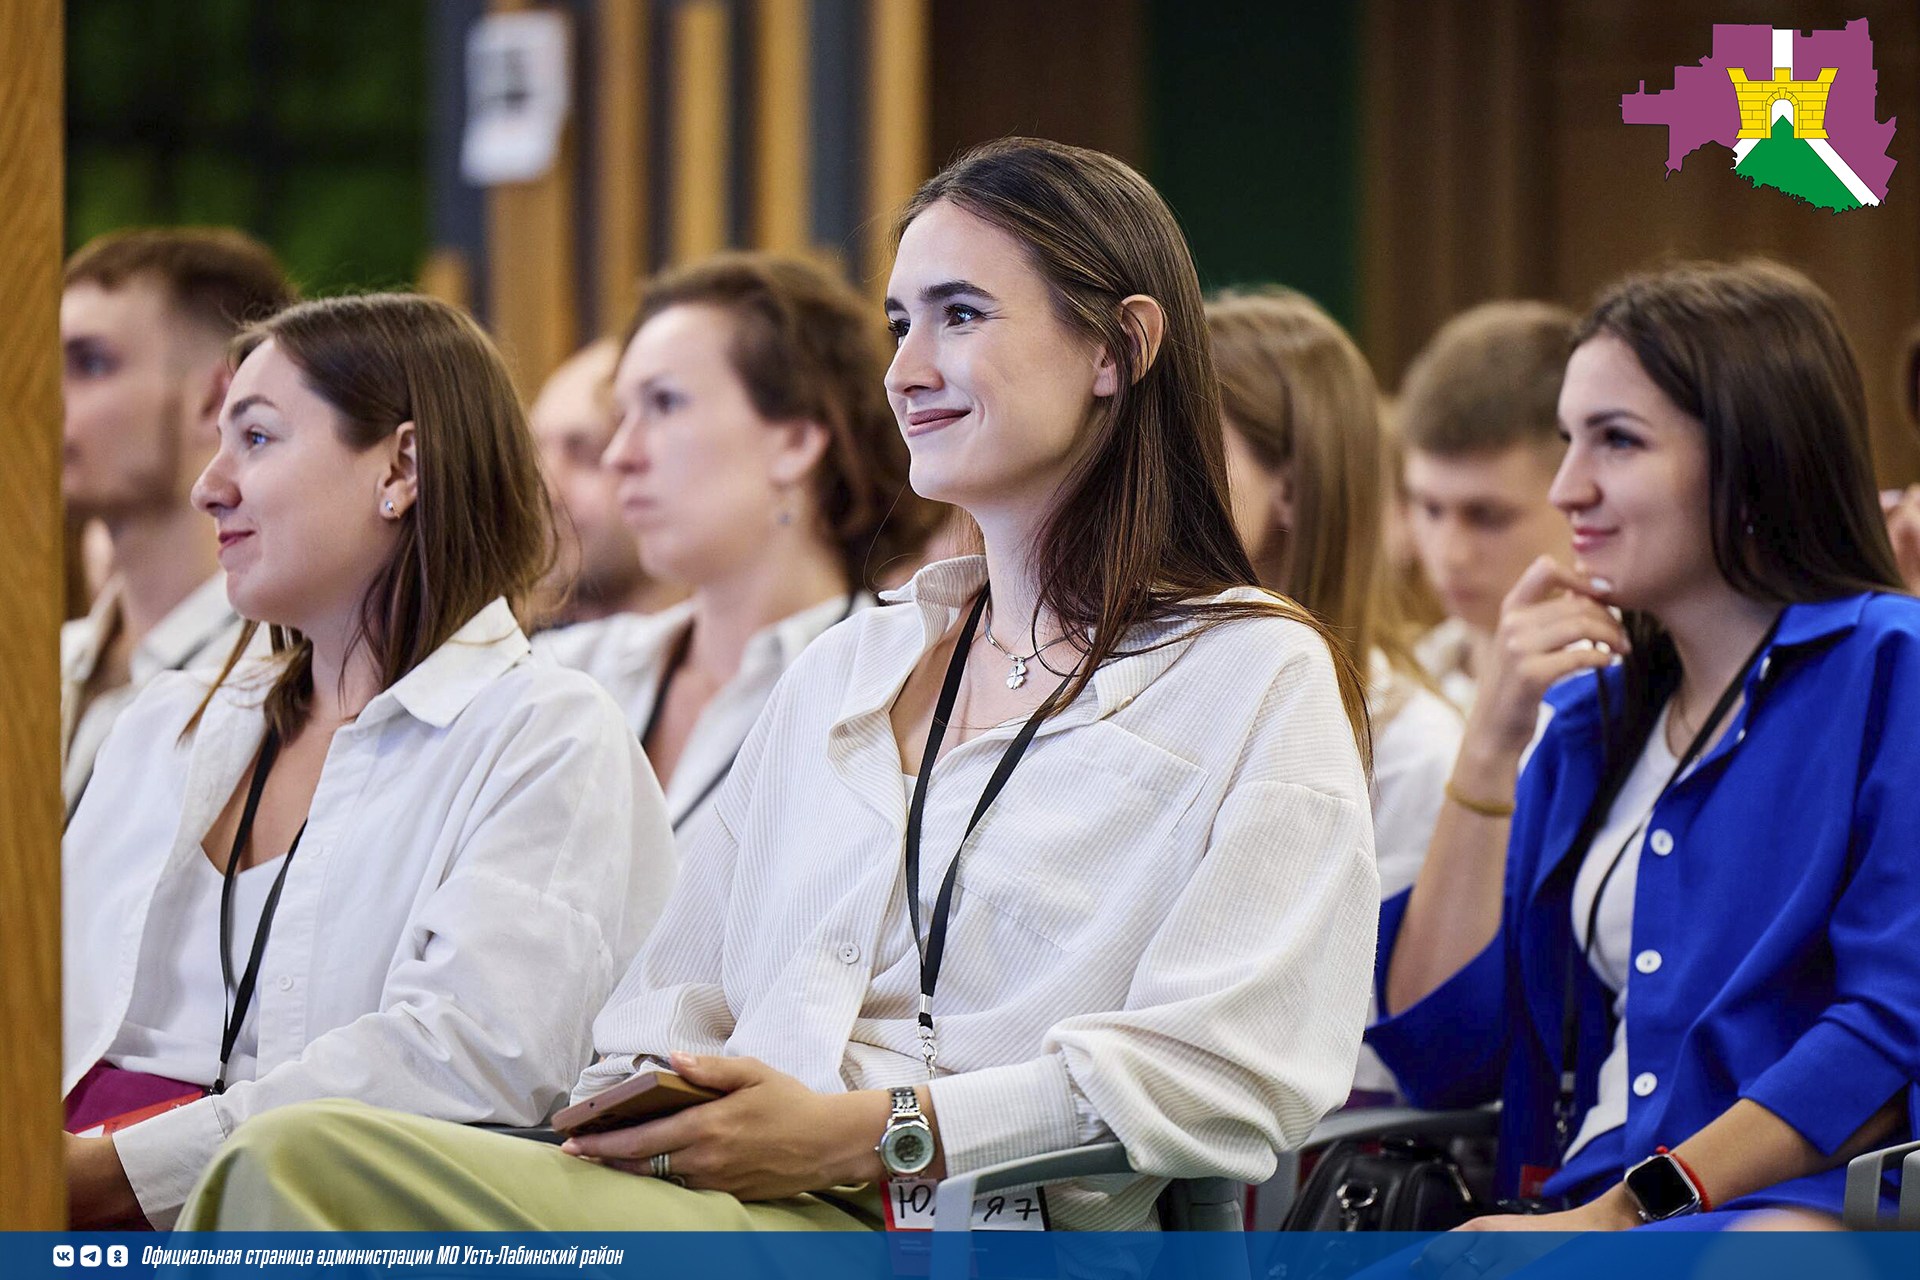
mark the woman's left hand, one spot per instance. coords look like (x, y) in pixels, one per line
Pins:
(98, 1193)
(768, 1138)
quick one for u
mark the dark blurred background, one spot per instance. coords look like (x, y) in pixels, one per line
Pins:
(1398, 161)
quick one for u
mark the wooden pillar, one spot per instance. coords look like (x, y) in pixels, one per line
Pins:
(702, 124)
(784, 127)
(620, 159)
(897, 114)
(32, 1187)
(532, 301)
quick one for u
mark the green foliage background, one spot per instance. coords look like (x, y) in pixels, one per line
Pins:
(303, 122)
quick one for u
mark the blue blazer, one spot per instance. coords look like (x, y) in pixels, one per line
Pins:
(1776, 921)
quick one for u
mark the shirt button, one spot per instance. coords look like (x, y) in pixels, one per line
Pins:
(1661, 842)
(1647, 961)
(849, 954)
(1645, 1083)
(286, 982)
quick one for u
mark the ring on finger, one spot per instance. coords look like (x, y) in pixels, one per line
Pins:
(660, 1165)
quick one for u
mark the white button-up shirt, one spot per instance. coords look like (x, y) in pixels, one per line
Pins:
(628, 653)
(485, 850)
(1167, 916)
(197, 636)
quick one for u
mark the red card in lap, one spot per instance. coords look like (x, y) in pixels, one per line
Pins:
(107, 1099)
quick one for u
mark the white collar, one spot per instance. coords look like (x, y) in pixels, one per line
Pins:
(450, 677)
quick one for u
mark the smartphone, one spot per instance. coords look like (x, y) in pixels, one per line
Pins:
(644, 1095)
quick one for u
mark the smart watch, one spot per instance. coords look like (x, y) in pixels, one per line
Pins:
(1661, 1187)
(906, 1146)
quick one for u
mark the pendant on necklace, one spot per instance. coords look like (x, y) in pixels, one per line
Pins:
(1019, 676)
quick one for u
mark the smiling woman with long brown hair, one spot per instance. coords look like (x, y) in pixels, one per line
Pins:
(1114, 788)
(1682, 957)
(350, 867)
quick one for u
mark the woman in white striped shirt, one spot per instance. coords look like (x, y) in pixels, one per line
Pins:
(1134, 897)
(760, 466)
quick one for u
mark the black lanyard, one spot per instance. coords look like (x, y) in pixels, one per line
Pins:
(242, 995)
(936, 939)
(1590, 825)
(677, 659)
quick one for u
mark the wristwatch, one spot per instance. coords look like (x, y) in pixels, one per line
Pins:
(906, 1145)
(1661, 1187)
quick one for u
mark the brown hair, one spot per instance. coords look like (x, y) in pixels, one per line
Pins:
(806, 347)
(1755, 353)
(219, 278)
(1298, 391)
(482, 525)
(1142, 526)
(1488, 380)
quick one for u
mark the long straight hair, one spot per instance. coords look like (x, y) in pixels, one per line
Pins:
(1298, 391)
(1142, 527)
(482, 525)
(1755, 353)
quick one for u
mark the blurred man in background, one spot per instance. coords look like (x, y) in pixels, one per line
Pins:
(145, 318)
(598, 572)
(1479, 418)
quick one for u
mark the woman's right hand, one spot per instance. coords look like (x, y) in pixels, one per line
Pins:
(1553, 623)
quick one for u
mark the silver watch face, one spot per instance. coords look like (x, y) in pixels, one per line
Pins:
(907, 1148)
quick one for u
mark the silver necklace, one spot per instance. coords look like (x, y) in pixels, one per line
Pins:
(1019, 676)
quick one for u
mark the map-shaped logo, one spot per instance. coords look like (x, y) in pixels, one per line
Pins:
(1795, 109)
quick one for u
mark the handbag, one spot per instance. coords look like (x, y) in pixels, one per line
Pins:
(1393, 1183)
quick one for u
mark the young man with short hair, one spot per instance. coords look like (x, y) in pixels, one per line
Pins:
(1478, 412)
(145, 318)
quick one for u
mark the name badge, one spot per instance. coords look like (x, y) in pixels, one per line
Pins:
(910, 1207)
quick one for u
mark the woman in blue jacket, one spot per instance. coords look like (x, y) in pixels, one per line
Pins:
(1724, 825)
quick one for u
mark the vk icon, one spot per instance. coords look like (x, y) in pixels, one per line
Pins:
(116, 1255)
(89, 1255)
(63, 1255)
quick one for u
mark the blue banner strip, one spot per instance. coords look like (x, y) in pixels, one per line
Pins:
(1720, 1255)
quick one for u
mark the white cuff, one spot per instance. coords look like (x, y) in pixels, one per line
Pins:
(1004, 1113)
(164, 1156)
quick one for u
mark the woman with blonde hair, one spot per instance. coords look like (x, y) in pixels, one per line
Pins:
(1304, 446)
(352, 868)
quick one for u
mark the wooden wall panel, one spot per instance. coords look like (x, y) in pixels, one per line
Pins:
(620, 159)
(1498, 166)
(32, 581)
(533, 304)
(1071, 70)
(702, 120)
(782, 145)
(898, 84)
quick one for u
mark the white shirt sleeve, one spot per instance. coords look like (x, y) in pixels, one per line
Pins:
(484, 1013)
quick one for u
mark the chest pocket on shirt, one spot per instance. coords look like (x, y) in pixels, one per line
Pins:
(1087, 833)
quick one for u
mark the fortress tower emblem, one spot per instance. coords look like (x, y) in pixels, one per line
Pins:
(1805, 100)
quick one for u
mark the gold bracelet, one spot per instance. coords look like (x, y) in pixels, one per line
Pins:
(1503, 809)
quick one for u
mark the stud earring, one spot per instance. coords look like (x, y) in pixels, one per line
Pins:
(389, 506)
